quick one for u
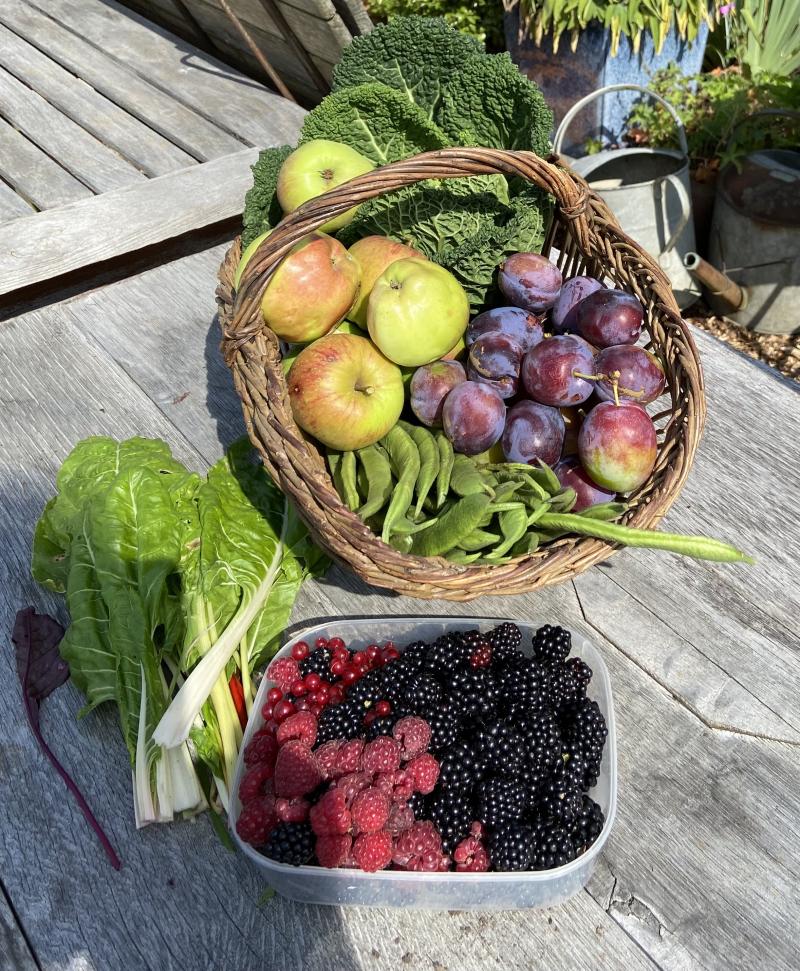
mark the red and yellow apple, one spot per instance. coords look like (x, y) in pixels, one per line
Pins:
(316, 167)
(374, 254)
(344, 392)
(312, 290)
(416, 312)
(249, 250)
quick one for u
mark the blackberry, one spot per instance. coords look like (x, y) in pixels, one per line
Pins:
(318, 662)
(395, 679)
(459, 767)
(422, 693)
(520, 687)
(511, 847)
(584, 722)
(588, 825)
(445, 656)
(368, 689)
(577, 768)
(542, 739)
(381, 726)
(561, 798)
(452, 813)
(556, 684)
(291, 843)
(473, 692)
(413, 655)
(552, 845)
(577, 675)
(417, 805)
(445, 728)
(501, 801)
(533, 780)
(552, 643)
(340, 721)
(506, 640)
(501, 748)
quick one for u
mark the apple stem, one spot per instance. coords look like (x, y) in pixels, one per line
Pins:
(365, 388)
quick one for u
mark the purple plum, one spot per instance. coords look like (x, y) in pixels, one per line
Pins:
(473, 417)
(549, 371)
(530, 281)
(532, 432)
(524, 327)
(430, 385)
(573, 291)
(572, 475)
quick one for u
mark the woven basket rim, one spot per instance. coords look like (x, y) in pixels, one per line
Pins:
(593, 237)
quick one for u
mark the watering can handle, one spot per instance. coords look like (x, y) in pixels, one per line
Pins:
(579, 105)
(686, 210)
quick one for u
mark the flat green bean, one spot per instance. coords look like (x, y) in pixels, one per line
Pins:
(378, 472)
(404, 456)
(452, 527)
(446, 459)
(347, 470)
(563, 500)
(428, 462)
(604, 510)
(461, 556)
(466, 480)
(401, 542)
(528, 544)
(479, 539)
(699, 547)
(504, 491)
(407, 527)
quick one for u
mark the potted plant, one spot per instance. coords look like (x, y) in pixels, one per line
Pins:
(572, 47)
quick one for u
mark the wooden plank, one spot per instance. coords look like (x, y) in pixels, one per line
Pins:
(12, 205)
(181, 125)
(724, 639)
(135, 141)
(212, 89)
(87, 158)
(15, 955)
(49, 244)
(181, 900)
(34, 175)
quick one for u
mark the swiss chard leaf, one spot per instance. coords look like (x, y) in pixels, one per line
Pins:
(41, 670)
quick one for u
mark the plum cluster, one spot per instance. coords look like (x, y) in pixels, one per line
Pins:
(556, 377)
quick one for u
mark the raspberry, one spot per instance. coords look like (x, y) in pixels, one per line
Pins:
(381, 755)
(296, 770)
(370, 810)
(414, 735)
(352, 784)
(424, 770)
(401, 818)
(333, 851)
(471, 856)
(326, 756)
(373, 851)
(252, 785)
(302, 725)
(418, 848)
(349, 757)
(262, 747)
(283, 671)
(330, 816)
(385, 782)
(292, 810)
(256, 820)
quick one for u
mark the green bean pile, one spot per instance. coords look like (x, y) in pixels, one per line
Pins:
(422, 498)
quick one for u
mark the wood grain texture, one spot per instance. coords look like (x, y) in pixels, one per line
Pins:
(15, 955)
(80, 153)
(49, 244)
(181, 901)
(33, 174)
(183, 126)
(12, 205)
(135, 141)
(215, 91)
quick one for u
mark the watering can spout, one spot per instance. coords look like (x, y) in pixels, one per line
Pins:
(725, 293)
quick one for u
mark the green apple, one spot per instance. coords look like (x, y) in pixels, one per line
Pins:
(416, 312)
(374, 254)
(312, 289)
(245, 258)
(316, 167)
(344, 392)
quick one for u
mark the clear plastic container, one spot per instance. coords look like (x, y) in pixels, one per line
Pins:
(437, 891)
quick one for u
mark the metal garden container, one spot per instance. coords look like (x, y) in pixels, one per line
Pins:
(648, 190)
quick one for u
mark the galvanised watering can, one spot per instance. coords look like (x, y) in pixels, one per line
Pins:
(648, 190)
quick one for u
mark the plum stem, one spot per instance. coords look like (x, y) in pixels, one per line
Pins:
(614, 379)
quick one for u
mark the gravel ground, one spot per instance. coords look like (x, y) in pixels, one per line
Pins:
(779, 351)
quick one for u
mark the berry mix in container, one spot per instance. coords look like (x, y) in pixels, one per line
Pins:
(470, 753)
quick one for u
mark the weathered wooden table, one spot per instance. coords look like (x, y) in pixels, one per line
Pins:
(702, 869)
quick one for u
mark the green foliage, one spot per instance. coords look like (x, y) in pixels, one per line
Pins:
(261, 209)
(713, 108)
(764, 36)
(482, 19)
(628, 18)
(375, 120)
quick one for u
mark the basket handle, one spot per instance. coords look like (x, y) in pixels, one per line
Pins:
(580, 105)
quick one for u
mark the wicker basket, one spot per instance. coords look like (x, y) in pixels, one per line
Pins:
(588, 240)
